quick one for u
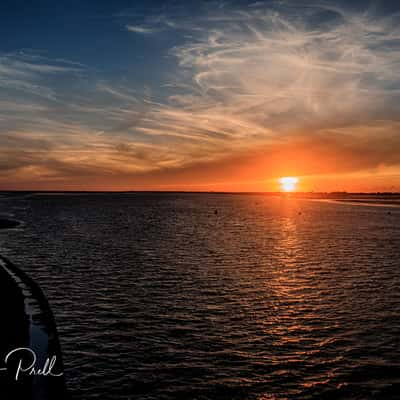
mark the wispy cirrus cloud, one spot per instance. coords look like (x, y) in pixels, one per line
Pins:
(281, 71)
(27, 72)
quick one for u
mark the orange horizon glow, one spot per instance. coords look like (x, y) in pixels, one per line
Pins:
(314, 160)
(232, 177)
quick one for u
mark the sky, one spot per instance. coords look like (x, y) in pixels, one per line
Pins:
(199, 96)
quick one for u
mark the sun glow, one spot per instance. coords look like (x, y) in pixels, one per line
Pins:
(288, 183)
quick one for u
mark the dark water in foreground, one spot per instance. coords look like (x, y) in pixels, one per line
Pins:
(158, 297)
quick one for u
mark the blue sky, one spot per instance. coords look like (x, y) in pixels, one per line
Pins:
(199, 95)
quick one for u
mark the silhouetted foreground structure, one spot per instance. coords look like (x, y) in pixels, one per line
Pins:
(28, 331)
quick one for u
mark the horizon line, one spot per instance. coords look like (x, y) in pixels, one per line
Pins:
(3, 191)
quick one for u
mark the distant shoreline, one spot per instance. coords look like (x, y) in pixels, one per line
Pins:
(388, 199)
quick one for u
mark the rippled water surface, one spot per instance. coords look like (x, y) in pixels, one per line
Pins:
(185, 296)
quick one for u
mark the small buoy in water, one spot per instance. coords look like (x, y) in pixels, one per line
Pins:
(299, 213)
(216, 212)
(389, 213)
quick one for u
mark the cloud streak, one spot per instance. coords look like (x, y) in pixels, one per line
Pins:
(139, 29)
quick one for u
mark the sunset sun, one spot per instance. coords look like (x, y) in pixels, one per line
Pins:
(288, 183)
